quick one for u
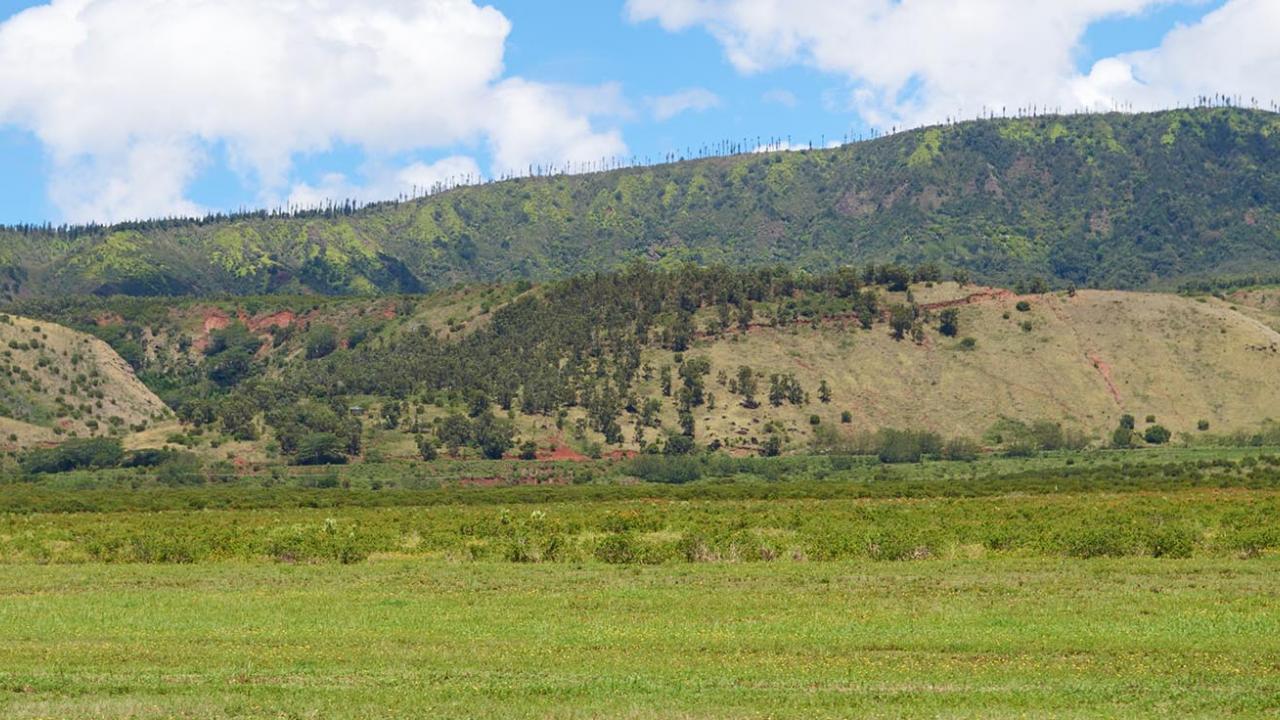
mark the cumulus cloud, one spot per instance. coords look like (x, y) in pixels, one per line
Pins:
(691, 100)
(914, 61)
(129, 95)
(1232, 51)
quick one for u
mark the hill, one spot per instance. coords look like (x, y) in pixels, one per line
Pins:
(1124, 201)
(56, 383)
(612, 363)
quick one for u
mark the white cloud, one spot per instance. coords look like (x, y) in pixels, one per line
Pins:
(1232, 50)
(915, 61)
(691, 100)
(126, 95)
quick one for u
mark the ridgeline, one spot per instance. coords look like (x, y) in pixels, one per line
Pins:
(1109, 201)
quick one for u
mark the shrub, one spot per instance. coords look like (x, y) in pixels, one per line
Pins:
(674, 470)
(617, 549)
(846, 417)
(906, 446)
(960, 449)
(91, 453)
(529, 450)
(1023, 306)
(968, 344)
(815, 420)
(1157, 435)
(1203, 426)
(321, 342)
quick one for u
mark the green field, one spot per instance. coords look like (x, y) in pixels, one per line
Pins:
(987, 638)
(1108, 585)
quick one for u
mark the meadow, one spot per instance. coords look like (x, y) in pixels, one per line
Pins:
(1135, 584)
(935, 638)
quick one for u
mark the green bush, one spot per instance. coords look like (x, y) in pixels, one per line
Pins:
(89, 453)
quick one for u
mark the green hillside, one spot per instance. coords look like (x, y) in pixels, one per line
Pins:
(1104, 200)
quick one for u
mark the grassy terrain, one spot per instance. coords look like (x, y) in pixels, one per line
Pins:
(1109, 584)
(986, 638)
(1083, 361)
(55, 382)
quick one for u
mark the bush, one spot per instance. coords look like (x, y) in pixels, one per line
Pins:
(617, 549)
(906, 446)
(673, 470)
(846, 417)
(91, 453)
(1023, 306)
(960, 449)
(1157, 435)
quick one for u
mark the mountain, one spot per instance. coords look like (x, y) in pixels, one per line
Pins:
(1111, 201)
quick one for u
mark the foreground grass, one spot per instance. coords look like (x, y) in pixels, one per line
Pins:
(988, 638)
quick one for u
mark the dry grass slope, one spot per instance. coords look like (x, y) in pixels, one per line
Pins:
(1085, 360)
(55, 382)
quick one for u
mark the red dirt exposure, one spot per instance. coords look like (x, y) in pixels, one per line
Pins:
(282, 319)
(216, 320)
(980, 296)
(1105, 371)
(561, 453)
(108, 320)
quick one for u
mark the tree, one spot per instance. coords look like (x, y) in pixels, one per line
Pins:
(748, 386)
(391, 413)
(824, 392)
(427, 448)
(949, 324)
(529, 450)
(900, 320)
(493, 436)
(777, 391)
(772, 446)
(1127, 422)
(454, 432)
(1122, 437)
(322, 340)
(678, 445)
(320, 449)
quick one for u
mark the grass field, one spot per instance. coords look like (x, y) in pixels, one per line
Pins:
(1123, 585)
(989, 638)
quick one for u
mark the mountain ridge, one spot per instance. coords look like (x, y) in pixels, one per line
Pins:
(1116, 200)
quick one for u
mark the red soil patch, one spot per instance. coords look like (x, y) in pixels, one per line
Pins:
(980, 296)
(562, 453)
(108, 320)
(282, 319)
(1105, 371)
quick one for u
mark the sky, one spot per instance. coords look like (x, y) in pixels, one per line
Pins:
(123, 109)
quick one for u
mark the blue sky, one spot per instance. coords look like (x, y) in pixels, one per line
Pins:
(605, 64)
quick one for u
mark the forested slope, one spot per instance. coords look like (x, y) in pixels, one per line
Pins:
(1102, 200)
